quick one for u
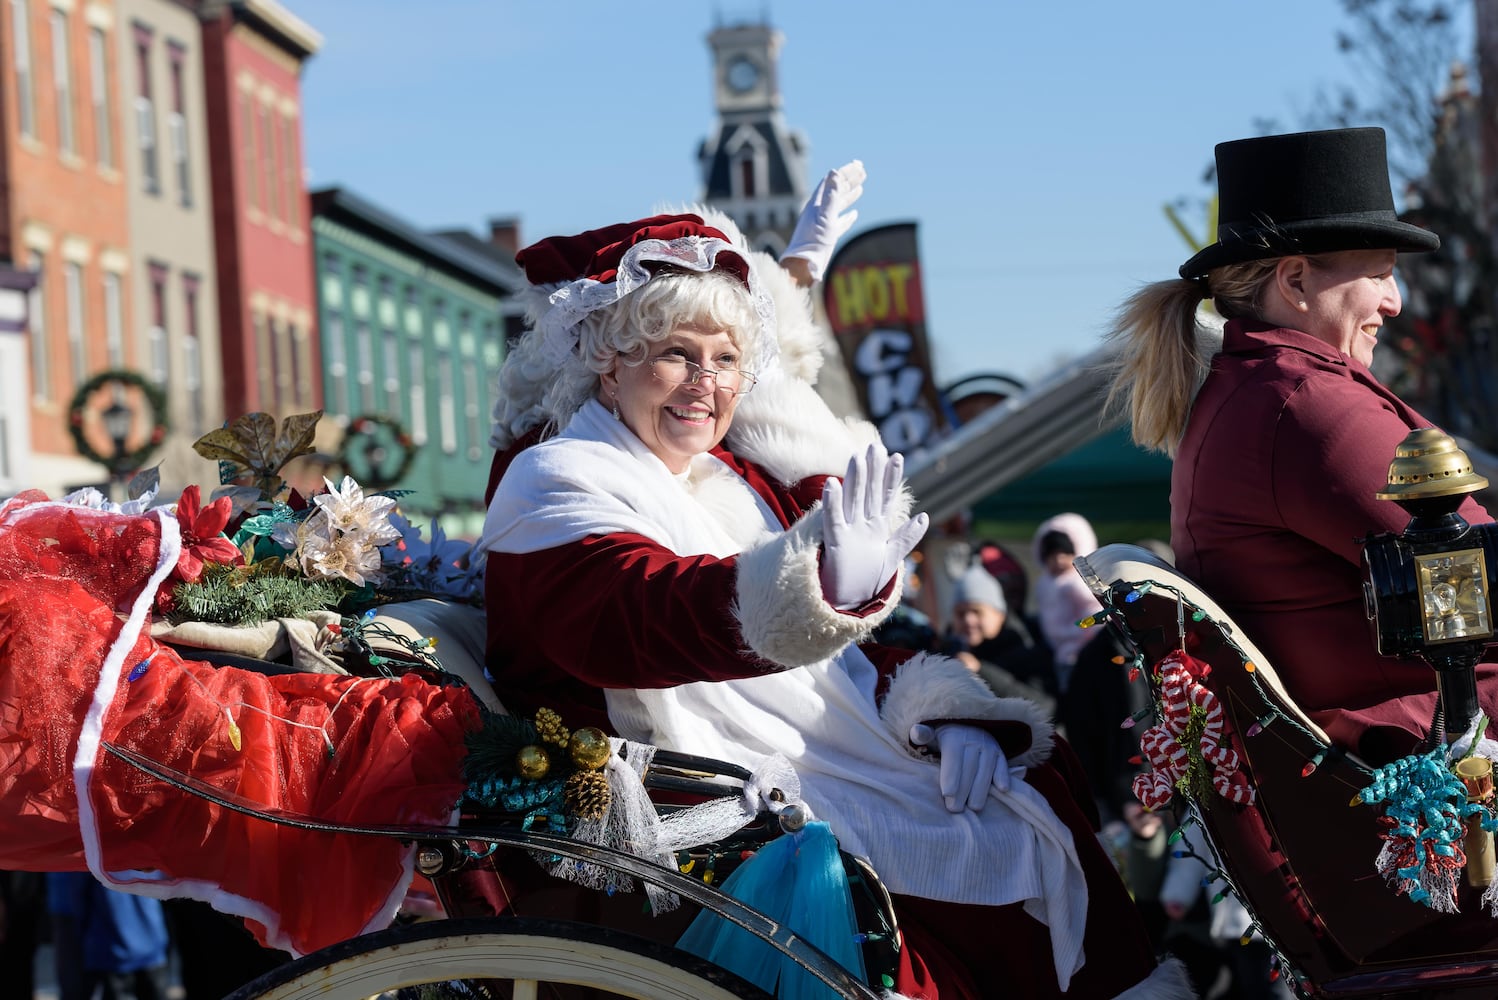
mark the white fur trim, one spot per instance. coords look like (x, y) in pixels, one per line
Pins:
(930, 687)
(782, 614)
(1169, 981)
(784, 426)
(730, 502)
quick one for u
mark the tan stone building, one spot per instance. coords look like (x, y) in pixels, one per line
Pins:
(173, 278)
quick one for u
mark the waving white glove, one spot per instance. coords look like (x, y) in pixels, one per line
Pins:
(971, 763)
(860, 552)
(826, 217)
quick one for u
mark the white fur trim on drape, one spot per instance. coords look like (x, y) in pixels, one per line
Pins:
(930, 687)
(787, 429)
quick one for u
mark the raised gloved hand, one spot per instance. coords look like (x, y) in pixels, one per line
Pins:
(971, 763)
(860, 550)
(826, 217)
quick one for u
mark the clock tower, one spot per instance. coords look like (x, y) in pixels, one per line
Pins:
(753, 165)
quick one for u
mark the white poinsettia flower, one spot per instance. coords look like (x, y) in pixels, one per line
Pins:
(324, 552)
(352, 512)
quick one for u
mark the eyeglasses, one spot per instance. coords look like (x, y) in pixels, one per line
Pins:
(678, 371)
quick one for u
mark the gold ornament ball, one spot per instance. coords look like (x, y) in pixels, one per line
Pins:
(589, 748)
(532, 762)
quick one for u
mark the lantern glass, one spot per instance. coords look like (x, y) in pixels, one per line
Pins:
(1454, 595)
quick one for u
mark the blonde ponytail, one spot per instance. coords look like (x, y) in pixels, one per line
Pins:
(1157, 366)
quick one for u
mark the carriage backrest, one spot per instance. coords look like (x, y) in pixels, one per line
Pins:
(1117, 565)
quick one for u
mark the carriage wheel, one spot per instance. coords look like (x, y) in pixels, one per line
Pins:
(511, 958)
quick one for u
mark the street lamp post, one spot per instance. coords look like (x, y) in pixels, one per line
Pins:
(118, 419)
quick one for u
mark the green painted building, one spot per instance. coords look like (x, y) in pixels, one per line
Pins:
(413, 327)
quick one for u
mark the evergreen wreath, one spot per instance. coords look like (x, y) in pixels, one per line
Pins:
(372, 432)
(155, 399)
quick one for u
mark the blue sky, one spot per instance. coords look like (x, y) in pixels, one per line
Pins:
(1035, 143)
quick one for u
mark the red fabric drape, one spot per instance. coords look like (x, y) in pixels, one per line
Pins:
(66, 579)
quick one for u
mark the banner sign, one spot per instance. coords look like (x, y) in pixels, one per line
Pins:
(872, 293)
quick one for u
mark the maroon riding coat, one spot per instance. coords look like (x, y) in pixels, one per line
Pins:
(1271, 495)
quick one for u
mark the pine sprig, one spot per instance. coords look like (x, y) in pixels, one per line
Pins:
(493, 746)
(226, 595)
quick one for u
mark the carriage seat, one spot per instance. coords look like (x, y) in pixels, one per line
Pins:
(1299, 856)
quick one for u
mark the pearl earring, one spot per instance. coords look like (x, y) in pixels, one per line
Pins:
(1302, 306)
(616, 406)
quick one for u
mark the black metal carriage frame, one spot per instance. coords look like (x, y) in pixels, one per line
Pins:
(526, 958)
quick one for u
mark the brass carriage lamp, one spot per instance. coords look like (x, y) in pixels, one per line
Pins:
(1428, 589)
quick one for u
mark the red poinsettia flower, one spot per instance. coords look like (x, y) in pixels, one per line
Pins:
(202, 534)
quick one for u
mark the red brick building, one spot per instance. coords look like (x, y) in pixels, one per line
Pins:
(253, 51)
(63, 215)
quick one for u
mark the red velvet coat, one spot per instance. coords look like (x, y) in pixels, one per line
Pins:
(1272, 491)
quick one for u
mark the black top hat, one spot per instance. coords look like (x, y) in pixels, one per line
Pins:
(1304, 193)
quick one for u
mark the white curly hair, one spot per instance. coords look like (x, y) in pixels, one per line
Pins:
(535, 392)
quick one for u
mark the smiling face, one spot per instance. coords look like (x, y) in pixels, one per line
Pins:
(975, 623)
(1345, 298)
(676, 422)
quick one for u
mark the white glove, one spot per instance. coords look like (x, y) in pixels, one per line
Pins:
(859, 551)
(971, 763)
(826, 217)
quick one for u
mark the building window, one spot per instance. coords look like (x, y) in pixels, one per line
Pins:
(269, 167)
(746, 175)
(364, 364)
(145, 113)
(301, 365)
(286, 367)
(247, 152)
(292, 175)
(36, 318)
(472, 397)
(176, 124)
(62, 82)
(390, 358)
(192, 356)
(114, 320)
(416, 371)
(20, 26)
(265, 353)
(98, 73)
(337, 366)
(447, 413)
(72, 286)
(157, 359)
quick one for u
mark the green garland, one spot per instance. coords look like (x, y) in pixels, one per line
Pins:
(155, 399)
(368, 427)
(228, 595)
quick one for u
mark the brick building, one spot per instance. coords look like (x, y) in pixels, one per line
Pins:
(64, 217)
(253, 52)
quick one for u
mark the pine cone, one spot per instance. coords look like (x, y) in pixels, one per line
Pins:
(586, 794)
(549, 727)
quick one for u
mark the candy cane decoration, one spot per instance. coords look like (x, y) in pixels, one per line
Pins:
(1161, 745)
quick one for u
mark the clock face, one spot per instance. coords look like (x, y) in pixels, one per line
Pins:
(743, 74)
